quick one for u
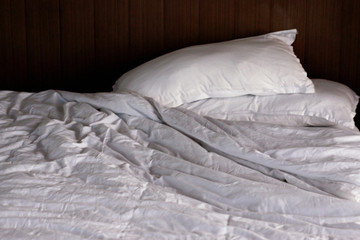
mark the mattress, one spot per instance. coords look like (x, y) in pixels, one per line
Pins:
(121, 166)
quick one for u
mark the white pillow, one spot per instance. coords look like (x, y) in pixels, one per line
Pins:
(332, 104)
(261, 65)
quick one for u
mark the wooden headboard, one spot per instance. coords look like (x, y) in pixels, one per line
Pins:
(85, 45)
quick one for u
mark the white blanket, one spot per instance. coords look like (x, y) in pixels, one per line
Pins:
(118, 166)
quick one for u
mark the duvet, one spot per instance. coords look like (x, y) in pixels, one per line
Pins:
(119, 166)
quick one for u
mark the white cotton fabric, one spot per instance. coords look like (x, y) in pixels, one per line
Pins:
(117, 166)
(332, 104)
(262, 65)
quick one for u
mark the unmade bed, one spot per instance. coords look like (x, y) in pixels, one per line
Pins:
(271, 154)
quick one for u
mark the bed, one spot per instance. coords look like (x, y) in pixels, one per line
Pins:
(184, 148)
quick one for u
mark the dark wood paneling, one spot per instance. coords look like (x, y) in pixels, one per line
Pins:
(350, 53)
(146, 30)
(289, 14)
(19, 43)
(43, 43)
(13, 67)
(111, 39)
(252, 17)
(66, 44)
(181, 23)
(5, 43)
(78, 44)
(216, 20)
(323, 38)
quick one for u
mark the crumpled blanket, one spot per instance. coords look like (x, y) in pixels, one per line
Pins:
(120, 166)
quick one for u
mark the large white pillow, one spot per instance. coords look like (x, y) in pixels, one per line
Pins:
(332, 104)
(261, 65)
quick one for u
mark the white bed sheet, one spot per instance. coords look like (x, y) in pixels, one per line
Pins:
(118, 166)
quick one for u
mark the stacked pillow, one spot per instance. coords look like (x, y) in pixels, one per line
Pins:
(262, 65)
(333, 104)
(242, 79)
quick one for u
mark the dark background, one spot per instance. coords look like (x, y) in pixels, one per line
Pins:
(85, 45)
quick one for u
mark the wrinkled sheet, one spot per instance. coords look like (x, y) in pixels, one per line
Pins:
(119, 166)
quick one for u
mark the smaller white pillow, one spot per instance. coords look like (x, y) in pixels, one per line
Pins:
(262, 65)
(333, 104)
